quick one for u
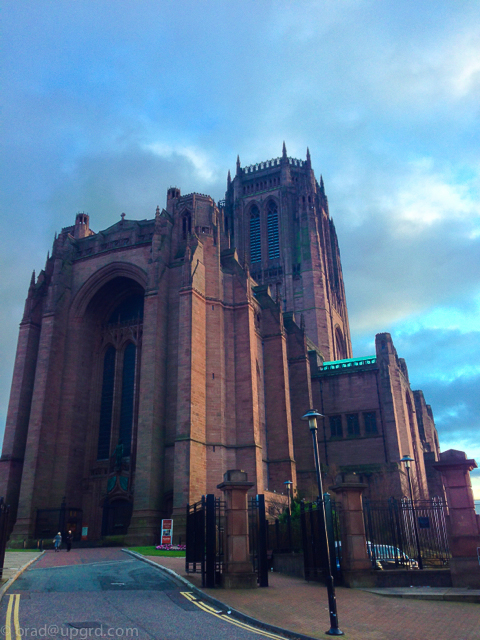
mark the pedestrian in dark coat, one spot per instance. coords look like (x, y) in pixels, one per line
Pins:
(69, 539)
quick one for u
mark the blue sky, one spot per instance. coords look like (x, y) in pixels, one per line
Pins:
(105, 104)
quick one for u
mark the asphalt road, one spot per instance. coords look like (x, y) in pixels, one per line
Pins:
(119, 598)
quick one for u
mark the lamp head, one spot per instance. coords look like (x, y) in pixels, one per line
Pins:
(407, 460)
(312, 416)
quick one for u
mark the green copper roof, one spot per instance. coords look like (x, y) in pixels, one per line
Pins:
(351, 360)
(349, 363)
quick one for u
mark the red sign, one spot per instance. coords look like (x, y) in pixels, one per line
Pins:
(167, 531)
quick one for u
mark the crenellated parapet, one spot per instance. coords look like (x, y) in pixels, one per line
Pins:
(270, 164)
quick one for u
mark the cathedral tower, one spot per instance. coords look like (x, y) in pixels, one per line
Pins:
(277, 218)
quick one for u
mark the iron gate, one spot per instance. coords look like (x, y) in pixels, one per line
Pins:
(402, 534)
(4, 513)
(284, 535)
(205, 539)
(313, 534)
(257, 536)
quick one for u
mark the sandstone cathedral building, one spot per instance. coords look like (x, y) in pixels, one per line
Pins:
(157, 354)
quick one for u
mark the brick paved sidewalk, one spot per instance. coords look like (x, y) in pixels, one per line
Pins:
(300, 606)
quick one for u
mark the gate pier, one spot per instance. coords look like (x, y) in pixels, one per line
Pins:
(463, 524)
(237, 569)
(356, 564)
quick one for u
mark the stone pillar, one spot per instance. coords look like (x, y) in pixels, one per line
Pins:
(237, 568)
(356, 564)
(463, 525)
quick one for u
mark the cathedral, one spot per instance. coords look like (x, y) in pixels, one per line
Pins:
(157, 354)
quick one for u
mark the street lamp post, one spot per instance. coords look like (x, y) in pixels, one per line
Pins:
(311, 416)
(406, 461)
(288, 484)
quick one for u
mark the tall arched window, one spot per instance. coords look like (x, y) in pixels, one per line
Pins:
(272, 231)
(340, 345)
(106, 404)
(186, 225)
(417, 486)
(126, 406)
(255, 239)
(120, 368)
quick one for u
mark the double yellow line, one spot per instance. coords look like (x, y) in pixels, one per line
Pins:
(13, 604)
(226, 618)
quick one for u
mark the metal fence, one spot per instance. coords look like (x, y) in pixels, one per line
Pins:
(284, 535)
(4, 514)
(258, 539)
(205, 539)
(313, 538)
(304, 534)
(405, 534)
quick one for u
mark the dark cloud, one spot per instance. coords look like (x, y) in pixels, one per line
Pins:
(133, 180)
(444, 364)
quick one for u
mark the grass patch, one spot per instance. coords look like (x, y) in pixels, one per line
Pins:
(151, 551)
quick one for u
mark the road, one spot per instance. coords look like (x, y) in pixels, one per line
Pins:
(105, 593)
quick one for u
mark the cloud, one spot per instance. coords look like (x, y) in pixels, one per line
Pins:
(205, 171)
(443, 363)
(428, 197)
(134, 180)
(409, 240)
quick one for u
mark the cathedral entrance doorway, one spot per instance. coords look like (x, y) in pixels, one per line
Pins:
(116, 517)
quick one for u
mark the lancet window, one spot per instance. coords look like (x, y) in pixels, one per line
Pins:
(121, 361)
(272, 231)
(106, 404)
(255, 236)
(186, 225)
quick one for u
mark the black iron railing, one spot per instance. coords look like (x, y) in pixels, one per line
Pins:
(258, 539)
(314, 549)
(284, 535)
(205, 539)
(4, 514)
(391, 538)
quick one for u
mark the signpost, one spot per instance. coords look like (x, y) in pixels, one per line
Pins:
(167, 532)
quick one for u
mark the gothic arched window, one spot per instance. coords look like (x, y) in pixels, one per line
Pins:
(119, 391)
(126, 406)
(340, 344)
(272, 231)
(186, 225)
(106, 404)
(255, 238)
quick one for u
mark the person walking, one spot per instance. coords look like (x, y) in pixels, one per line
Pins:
(69, 539)
(57, 541)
